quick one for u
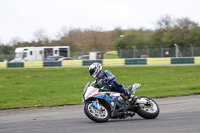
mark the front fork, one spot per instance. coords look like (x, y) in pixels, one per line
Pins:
(96, 104)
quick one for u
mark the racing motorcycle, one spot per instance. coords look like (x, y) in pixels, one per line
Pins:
(104, 103)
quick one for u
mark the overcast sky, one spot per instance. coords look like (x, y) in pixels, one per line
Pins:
(21, 18)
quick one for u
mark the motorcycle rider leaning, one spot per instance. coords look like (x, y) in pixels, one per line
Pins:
(95, 71)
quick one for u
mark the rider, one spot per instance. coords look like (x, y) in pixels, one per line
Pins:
(95, 70)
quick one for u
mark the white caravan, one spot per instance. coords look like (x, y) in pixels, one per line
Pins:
(25, 54)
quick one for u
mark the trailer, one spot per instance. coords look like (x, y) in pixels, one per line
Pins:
(27, 54)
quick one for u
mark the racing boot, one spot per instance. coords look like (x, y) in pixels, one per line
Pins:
(128, 92)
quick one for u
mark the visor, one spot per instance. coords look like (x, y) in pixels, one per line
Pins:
(93, 73)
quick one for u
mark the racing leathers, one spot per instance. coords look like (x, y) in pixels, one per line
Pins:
(117, 86)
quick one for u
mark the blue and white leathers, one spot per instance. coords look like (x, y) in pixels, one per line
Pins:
(111, 78)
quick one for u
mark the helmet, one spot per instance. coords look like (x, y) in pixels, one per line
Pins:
(95, 69)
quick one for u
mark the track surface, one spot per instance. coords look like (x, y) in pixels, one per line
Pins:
(178, 114)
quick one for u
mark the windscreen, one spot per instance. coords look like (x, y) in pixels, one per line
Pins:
(18, 55)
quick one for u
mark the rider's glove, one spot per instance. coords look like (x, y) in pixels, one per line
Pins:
(105, 81)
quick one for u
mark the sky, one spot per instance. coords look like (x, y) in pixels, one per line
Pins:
(22, 18)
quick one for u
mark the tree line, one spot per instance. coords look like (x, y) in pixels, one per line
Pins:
(181, 31)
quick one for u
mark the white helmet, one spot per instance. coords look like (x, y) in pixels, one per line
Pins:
(95, 69)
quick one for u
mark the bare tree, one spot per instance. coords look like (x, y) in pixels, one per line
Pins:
(185, 23)
(63, 33)
(15, 40)
(165, 22)
(40, 36)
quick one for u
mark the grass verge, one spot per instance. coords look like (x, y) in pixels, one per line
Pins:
(61, 86)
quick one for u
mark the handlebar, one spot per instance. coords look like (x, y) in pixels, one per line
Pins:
(101, 82)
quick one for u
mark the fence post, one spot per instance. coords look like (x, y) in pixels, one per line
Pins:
(71, 54)
(120, 52)
(133, 51)
(176, 51)
(192, 50)
(161, 50)
(147, 51)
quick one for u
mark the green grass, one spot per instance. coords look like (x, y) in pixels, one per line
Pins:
(60, 86)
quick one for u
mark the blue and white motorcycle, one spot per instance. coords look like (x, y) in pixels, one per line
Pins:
(103, 103)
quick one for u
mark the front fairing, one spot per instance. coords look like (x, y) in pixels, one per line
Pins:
(92, 92)
(89, 91)
(86, 86)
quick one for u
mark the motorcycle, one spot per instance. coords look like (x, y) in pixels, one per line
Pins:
(104, 103)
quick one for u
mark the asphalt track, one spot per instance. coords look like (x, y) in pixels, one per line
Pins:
(178, 114)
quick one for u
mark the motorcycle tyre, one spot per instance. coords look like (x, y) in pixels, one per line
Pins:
(145, 114)
(89, 115)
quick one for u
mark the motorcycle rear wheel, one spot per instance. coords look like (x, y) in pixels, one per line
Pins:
(150, 111)
(96, 115)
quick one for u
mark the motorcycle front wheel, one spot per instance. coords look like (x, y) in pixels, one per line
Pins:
(148, 111)
(101, 115)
